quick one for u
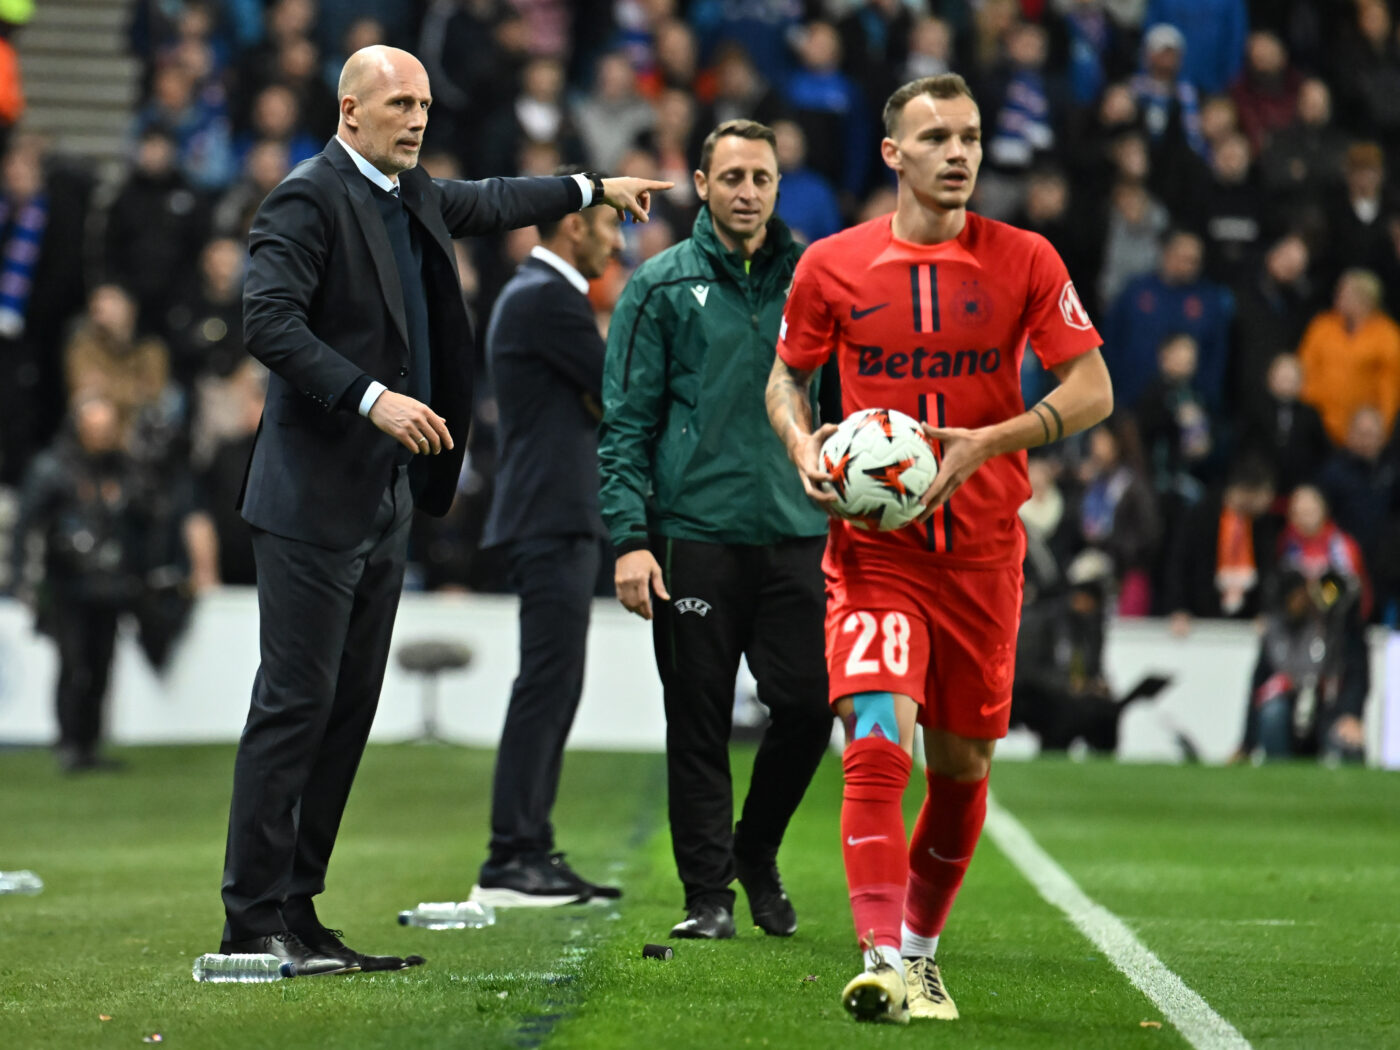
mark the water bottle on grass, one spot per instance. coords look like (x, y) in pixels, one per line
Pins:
(25, 882)
(241, 969)
(449, 915)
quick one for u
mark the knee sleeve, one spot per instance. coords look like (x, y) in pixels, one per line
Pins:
(874, 715)
(876, 769)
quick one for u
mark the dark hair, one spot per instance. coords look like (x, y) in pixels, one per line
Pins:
(945, 85)
(1250, 471)
(551, 226)
(743, 129)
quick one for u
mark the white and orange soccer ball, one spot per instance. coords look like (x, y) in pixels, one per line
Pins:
(880, 464)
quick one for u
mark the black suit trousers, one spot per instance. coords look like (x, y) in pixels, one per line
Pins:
(326, 617)
(766, 603)
(554, 576)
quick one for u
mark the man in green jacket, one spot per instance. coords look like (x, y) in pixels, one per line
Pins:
(706, 512)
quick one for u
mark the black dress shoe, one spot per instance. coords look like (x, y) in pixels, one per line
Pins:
(768, 902)
(706, 922)
(288, 947)
(593, 889)
(529, 882)
(328, 942)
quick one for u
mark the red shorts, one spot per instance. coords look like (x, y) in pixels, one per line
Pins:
(947, 639)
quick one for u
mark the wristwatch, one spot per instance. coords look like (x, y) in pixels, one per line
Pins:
(596, 181)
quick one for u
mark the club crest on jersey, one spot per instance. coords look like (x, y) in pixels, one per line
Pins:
(695, 605)
(1072, 308)
(973, 305)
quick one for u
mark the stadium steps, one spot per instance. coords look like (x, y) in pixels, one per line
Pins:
(80, 82)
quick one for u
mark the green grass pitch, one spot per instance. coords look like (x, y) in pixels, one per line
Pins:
(1274, 893)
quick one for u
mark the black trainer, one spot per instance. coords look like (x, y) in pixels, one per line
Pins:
(706, 921)
(528, 882)
(772, 912)
(594, 890)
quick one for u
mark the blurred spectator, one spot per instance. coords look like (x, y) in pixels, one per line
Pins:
(875, 45)
(106, 358)
(538, 114)
(1163, 93)
(284, 22)
(763, 28)
(1368, 72)
(1151, 307)
(1303, 161)
(930, 53)
(205, 319)
(203, 138)
(1021, 129)
(831, 111)
(155, 227)
(1068, 220)
(1351, 356)
(740, 94)
(1357, 233)
(1313, 545)
(1097, 50)
(264, 166)
(613, 114)
(11, 82)
(1050, 530)
(1282, 430)
(806, 201)
(365, 31)
(220, 483)
(1133, 243)
(1228, 211)
(1274, 307)
(1266, 94)
(1213, 33)
(674, 131)
(676, 67)
(1360, 482)
(1177, 437)
(1117, 511)
(276, 117)
(43, 218)
(1222, 551)
(298, 69)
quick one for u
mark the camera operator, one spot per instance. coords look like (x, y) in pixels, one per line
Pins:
(81, 496)
(1309, 688)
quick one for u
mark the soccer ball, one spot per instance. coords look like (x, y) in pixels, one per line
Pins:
(880, 464)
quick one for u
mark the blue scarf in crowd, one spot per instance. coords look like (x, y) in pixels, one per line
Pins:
(19, 259)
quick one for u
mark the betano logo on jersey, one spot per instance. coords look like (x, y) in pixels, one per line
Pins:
(921, 364)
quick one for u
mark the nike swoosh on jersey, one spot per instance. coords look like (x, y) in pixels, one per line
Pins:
(990, 709)
(856, 315)
(851, 840)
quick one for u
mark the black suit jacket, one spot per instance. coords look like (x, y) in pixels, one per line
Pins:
(323, 309)
(546, 359)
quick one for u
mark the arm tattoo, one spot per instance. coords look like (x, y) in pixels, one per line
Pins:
(787, 399)
(1035, 410)
(1059, 423)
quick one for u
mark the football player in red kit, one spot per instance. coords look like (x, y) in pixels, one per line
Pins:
(929, 311)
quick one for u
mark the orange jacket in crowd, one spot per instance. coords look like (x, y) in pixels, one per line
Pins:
(1343, 371)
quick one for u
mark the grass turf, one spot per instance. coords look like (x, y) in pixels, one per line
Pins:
(1271, 892)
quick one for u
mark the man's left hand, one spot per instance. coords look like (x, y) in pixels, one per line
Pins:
(963, 452)
(631, 196)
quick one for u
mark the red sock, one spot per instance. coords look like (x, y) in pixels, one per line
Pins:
(872, 836)
(945, 835)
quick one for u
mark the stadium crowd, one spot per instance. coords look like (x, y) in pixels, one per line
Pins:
(1217, 175)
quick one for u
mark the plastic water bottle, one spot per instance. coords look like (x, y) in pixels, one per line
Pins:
(241, 969)
(449, 915)
(25, 882)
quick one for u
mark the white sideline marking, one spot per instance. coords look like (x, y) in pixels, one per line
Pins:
(1191, 1015)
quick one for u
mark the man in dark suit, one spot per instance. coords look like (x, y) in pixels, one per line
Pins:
(546, 358)
(352, 301)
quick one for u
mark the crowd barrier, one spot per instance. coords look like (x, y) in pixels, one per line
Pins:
(203, 694)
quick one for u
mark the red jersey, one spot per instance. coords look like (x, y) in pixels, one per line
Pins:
(938, 332)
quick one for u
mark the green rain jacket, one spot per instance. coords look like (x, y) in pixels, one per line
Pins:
(685, 448)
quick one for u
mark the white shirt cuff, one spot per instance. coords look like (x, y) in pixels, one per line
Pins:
(372, 393)
(587, 186)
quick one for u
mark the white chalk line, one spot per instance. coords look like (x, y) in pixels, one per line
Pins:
(1191, 1015)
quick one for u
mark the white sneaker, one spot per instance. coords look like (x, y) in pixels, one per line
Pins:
(877, 994)
(927, 996)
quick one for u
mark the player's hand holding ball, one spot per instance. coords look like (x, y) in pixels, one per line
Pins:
(878, 465)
